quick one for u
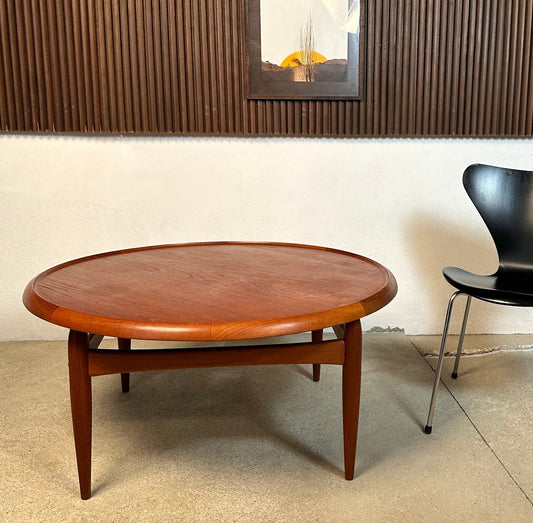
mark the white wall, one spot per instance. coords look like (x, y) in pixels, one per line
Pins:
(398, 201)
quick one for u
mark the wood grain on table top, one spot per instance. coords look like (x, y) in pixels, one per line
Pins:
(215, 291)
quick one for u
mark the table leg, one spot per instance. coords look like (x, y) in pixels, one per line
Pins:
(125, 344)
(351, 393)
(316, 336)
(81, 405)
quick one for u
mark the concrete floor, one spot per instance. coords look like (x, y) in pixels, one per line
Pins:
(264, 444)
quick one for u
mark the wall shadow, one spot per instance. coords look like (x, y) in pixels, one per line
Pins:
(439, 242)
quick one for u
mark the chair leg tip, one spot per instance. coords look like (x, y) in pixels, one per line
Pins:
(428, 429)
(454, 375)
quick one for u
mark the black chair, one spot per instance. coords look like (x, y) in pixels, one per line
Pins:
(504, 198)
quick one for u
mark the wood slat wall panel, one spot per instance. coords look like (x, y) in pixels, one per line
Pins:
(432, 68)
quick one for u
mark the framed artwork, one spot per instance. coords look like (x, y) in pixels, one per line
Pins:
(304, 49)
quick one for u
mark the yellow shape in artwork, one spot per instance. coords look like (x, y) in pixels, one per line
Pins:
(295, 59)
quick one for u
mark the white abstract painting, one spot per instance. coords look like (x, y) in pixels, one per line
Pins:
(309, 37)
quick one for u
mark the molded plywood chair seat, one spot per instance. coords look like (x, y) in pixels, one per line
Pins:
(504, 198)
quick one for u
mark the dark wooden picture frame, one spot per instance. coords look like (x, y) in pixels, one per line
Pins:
(331, 80)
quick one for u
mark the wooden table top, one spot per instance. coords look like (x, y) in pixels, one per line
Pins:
(210, 291)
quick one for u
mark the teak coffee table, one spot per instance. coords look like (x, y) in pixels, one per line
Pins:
(207, 292)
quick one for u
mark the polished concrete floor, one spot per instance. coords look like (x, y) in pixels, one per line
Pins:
(264, 444)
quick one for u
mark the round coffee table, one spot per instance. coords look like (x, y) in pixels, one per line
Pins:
(209, 292)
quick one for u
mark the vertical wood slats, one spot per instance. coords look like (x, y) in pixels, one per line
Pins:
(432, 67)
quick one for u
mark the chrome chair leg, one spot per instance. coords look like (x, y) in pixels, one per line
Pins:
(438, 371)
(461, 338)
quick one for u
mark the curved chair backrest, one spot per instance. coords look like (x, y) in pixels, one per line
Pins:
(504, 198)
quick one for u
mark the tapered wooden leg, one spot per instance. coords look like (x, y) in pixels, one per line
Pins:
(351, 393)
(124, 344)
(81, 405)
(316, 336)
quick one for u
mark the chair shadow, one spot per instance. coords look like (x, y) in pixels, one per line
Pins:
(437, 243)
